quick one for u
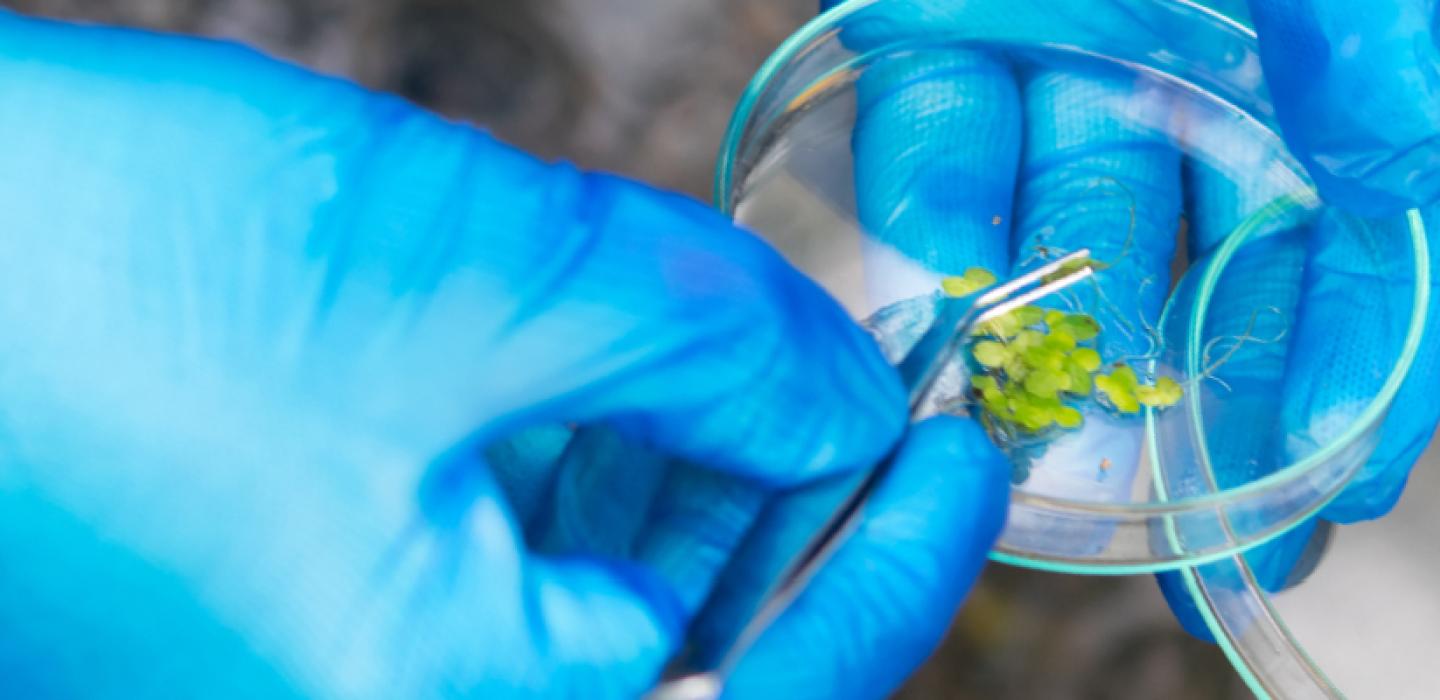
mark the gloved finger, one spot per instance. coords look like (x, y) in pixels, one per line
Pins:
(879, 607)
(524, 465)
(570, 626)
(1273, 417)
(1183, 605)
(655, 294)
(1352, 317)
(936, 141)
(601, 488)
(1245, 335)
(1099, 172)
(448, 281)
(1355, 312)
(1354, 87)
(1277, 565)
(1249, 313)
(695, 525)
(1408, 428)
(614, 499)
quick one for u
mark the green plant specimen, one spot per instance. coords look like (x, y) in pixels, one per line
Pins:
(1035, 364)
(974, 280)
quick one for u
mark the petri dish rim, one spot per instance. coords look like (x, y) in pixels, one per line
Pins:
(1235, 652)
(827, 23)
(1238, 652)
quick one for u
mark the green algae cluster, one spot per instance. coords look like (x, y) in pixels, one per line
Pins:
(1037, 364)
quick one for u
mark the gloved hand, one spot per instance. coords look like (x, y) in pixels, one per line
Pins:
(1358, 98)
(264, 333)
(968, 159)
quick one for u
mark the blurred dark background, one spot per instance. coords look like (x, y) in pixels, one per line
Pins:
(645, 88)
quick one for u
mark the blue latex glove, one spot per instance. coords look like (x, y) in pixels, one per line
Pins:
(1013, 157)
(264, 331)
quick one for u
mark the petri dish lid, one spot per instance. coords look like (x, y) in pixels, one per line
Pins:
(1364, 624)
(847, 152)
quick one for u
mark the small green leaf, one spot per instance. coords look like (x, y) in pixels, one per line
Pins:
(1009, 325)
(1080, 382)
(1087, 358)
(974, 280)
(1045, 383)
(988, 388)
(1041, 357)
(990, 353)
(1082, 327)
(1016, 369)
(1033, 417)
(1124, 377)
(1147, 395)
(984, 382)
(1029, 315)
(1117, 392)
(1067, 417)
(1049, 403)
(1165, 393)
(1026, 339)
(1060, 340)
(1074, 265)
(1003, 327)
(1170, 390)
(1066, 382)
(1125, 402)
(995, 402)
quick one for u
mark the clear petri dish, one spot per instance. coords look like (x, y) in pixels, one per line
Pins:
(891, 145)
(1364, 624)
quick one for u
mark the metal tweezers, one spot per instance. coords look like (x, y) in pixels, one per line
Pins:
(921, 366)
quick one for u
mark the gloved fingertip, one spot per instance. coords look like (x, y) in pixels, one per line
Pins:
(1370, 499)
(1275, 566)
(956, 456)
(652, 589)
(1287, 559)
(945, 204)
(954, 437)
(980, 471)
(1182, 604)
(847, 415)
(523, 463)
(884, 601)
(1406, 433)
(607, 622)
